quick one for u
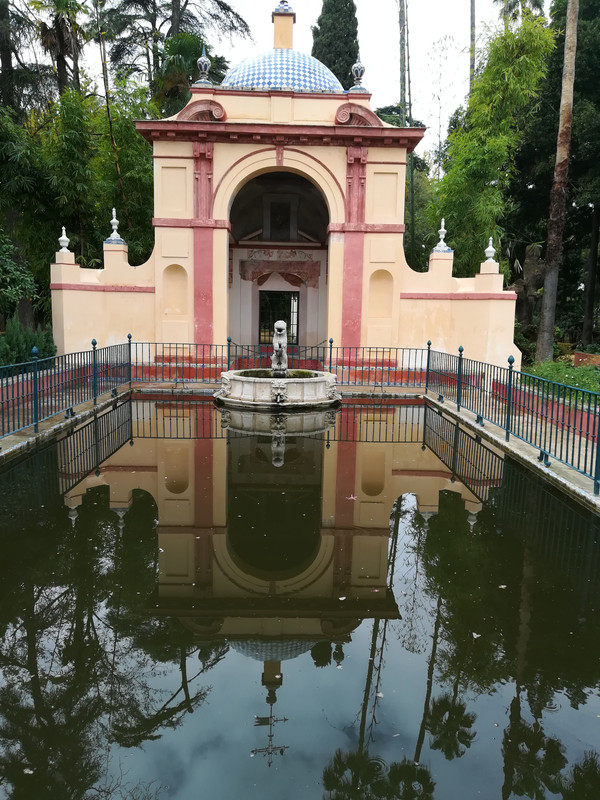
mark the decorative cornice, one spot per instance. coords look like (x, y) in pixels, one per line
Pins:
(365, 227)
(458, 296)
(173, 222)
(100, 287)
(279, 134)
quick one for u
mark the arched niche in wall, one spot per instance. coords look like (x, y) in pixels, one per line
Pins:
(175, 290)
(177, 477)
(373, 471)
(381, 294)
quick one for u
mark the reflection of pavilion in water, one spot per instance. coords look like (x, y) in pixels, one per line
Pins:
(276, 560)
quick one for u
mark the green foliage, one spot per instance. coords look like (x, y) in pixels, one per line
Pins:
(17, 343)
(481, 150)
(179, 71)
(564, 372)
(59, 169)
(529, 189)
(16, 282)
(335, 38)
(525, 341)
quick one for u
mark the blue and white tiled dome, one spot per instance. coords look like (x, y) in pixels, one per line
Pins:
(282, 69)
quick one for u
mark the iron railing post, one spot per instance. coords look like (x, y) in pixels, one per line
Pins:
(228, 353)
(511, 361)
(36, 396)
(459, 377)
(94, 375)
(330, 352)
(428, 363)
(597, 464)
(129, 369)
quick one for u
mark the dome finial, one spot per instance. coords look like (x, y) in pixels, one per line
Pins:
(204, 64)
(283, 18)
(357, 70)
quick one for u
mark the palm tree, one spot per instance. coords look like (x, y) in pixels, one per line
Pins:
(450, 724)
(63, 38)
(558, 193)
(512, 9)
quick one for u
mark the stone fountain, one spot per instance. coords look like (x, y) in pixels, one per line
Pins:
(279, 389)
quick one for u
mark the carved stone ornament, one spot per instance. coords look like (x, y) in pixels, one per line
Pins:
(357, 115)
(225, 386)
(203, 111)
(279, 391)
(331, 389)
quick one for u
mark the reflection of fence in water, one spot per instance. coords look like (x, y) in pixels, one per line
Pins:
(85, 448)
(40, 479)
(199, 419)
(556, 527)
(474, 464)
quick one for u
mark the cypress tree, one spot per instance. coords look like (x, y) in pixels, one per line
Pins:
(335, 39)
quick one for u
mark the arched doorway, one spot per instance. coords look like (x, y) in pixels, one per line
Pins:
(278, 260)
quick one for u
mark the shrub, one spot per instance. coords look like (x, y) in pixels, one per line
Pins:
(17, 342)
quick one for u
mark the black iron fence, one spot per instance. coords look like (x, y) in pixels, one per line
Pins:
(36, 390)
(561, 421)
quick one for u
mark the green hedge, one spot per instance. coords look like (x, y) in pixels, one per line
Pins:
(17, 343)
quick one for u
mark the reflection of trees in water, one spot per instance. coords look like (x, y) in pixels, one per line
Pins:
(357, 775)
(79, 656)
(583, 779)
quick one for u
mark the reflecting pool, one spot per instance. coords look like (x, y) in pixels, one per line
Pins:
(368, 603)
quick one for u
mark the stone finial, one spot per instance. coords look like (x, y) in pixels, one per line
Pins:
(64, 242)
(441, 246)
(204, 64)
(490, 251)
(115, 237)
(357, 70)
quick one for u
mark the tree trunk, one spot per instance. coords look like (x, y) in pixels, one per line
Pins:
(7, 78)
(472, 50)
(587, 335)
(175, 17)
(402, 31)
(558, 193)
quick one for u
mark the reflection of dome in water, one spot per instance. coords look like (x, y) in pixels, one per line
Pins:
(282, 69)
(271, 650)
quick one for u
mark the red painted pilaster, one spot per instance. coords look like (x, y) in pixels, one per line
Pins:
(354, 245)
(203, 285)
(203, 243)
(354, 242)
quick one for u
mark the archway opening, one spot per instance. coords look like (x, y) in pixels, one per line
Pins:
(278, 260)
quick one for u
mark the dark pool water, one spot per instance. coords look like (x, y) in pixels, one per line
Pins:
(365, 604)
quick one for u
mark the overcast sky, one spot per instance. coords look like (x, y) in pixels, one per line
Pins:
(438, 40)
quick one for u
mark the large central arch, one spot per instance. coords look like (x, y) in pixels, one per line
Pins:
(279, 254)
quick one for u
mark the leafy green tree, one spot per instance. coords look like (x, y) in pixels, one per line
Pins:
(480, 157)
(529, 190)
(137, 31)
(335, 38)
(16, 282)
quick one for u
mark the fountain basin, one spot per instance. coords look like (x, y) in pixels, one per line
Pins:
(257, 389)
